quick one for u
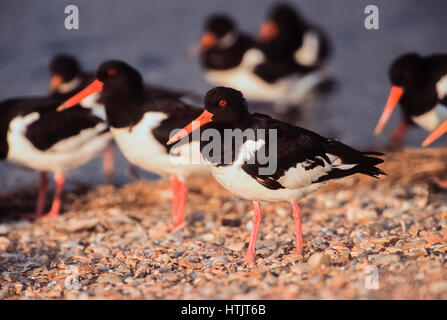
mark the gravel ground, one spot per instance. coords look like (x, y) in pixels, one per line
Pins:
(115, 244)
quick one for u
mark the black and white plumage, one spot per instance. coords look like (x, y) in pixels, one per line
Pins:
(141, 125)
(33, 135)
(303, 160)
(286, 36)
(231, 58)
(419, 85)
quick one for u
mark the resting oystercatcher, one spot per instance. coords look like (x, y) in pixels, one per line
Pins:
(68, 78)
(299, 161)
(35, 136)
(286, 35)
(140, 125)
(231, 58)
(420, 85)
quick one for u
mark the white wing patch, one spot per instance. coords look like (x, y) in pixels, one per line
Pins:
(441, 87)
(307, 54)
(432, 119)
(298, 176)
(252, 58)
(248, 150)
(19, 124)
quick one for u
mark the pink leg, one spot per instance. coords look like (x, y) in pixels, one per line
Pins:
(399, 133)
(175, 188)
(179, 195)
(109, 164)
(59, 179)
(42, 195)
(257, 216)
(298, 231)
(40, 199)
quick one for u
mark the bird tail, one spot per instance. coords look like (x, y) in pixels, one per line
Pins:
(347, 161)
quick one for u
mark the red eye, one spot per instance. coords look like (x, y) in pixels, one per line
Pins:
(222, 103)
(111, 72)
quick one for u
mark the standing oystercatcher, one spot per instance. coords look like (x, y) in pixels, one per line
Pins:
(286, 35)
(301, 161)
(141, 124)
(419, 84)
(35, 136)
(231, 58)
(68, 78)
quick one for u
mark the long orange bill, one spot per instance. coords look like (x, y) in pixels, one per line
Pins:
(439, 131)
(268, 31)
(205, 117)
(208, 40)
(394, 97)
(94, 87)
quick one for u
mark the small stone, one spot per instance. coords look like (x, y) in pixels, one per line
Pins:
(43, 260)
(417, 252)
(75, 225)
(383, 259)
(5, 244)
(319, 260)
(209, 237)
(231, 222)
(109, 278)
(238, 246)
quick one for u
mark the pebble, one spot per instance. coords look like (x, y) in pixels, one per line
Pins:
(319, 260)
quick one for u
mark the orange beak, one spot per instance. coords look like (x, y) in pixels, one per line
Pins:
(268, 31)
(55, 82)
(394, 97)
(208, 40)
(205, 117)
(439, 131)
(94, 87)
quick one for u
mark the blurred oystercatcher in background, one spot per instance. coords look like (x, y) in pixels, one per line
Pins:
(287, 36)
(141, 124)
(304, 160)
(35, 136)
(66, 79)
(231, 58)
(419, 84)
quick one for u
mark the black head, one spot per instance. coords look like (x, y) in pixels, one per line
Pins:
(220, 25)
(226, 104)
(120, 80)
(406, 70)
(285, 18)
(65, 66)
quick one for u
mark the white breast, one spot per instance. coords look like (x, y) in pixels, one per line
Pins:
(431, 119)
(307, 54)
(290, 90)
(64, 155)
(441, 87)
(141, 149)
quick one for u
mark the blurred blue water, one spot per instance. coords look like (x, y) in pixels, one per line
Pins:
(154, 36)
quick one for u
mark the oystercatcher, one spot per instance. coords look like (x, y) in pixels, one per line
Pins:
(300, 163)
(286, 35)
(35, 136)
(420, 85)
(140, 125)
(231, 58)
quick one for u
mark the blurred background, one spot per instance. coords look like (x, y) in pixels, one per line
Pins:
(155, 36)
